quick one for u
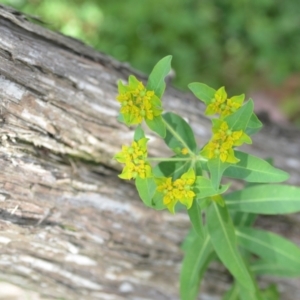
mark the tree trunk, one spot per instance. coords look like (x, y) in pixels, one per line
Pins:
(69, 228)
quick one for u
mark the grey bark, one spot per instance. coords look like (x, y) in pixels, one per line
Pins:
(69, 228)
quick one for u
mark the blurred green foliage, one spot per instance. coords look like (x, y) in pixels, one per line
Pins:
(237, 43)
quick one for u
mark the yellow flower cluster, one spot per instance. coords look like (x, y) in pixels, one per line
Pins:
(222, 142)
(179, 190)
(137, 103)
(222, 105)
(134, 157)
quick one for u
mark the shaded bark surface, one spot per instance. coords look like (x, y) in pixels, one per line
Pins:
(69, 228)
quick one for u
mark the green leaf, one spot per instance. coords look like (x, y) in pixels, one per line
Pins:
(246, 294)
(232, 293)
(262, 267)
(242, 219)
(271, 293)
(271, 247)
(179, 133)
(157, 125)
(254, 125)
(204, 188)
(146, 188)
(121, 119)
(139, 133)
(240, 119)
(254, 169)
(188, 239)
(265, 199)
(221, 231)
(157, 201)
(238, 292)
(202, 91)
(216, 168)
(195, 262)
(172, 168)
(204, 203)
(156, 80)
(196, 218)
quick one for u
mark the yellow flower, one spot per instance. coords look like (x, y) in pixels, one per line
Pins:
(232, 105)
(222, 142)
(184, 151)
(137, 103)
(215, 106)
(134, 157)
(222, 105)
(179, 190)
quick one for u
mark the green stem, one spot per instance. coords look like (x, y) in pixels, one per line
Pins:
(168, 158)
(188, 158)
(176, 136)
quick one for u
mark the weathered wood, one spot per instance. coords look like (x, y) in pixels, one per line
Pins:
(69, 228)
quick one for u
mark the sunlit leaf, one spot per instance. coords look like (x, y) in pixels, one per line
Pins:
(254, 125)
(156, 80)
(265, 199)
(240, 119)
(204, 188)
(146, 188)
(283, 254)
(195, 262)
(202, 91)
(157, 125)
(221, 231)
(254, 169)
(216, 168)
(196, 218)
(179, 133)
(139, 133)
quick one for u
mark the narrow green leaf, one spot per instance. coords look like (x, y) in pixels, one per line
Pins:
(232, 293)
(221, 231)
(179, 133)
(265, 199)
(271, 247)
(202, 91)
(238, 292)
(146, 188)
(254, 125)
(156, 80)
(216, 168)
(242, 219)
(188, 239)
(195, 262)
(204, 188)
(262, 267)
(139, 133)
(246, 294)
(196, 218)
(254, 169)
(204, 203)
(240, 119)
(157, 125)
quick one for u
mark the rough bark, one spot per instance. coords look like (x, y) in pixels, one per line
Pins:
(69, 228)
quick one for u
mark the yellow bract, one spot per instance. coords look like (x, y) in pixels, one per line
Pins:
(179, 190)
(137, 103)
(184, 151)
(134, 157)
(222, 143)
(222, 105)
